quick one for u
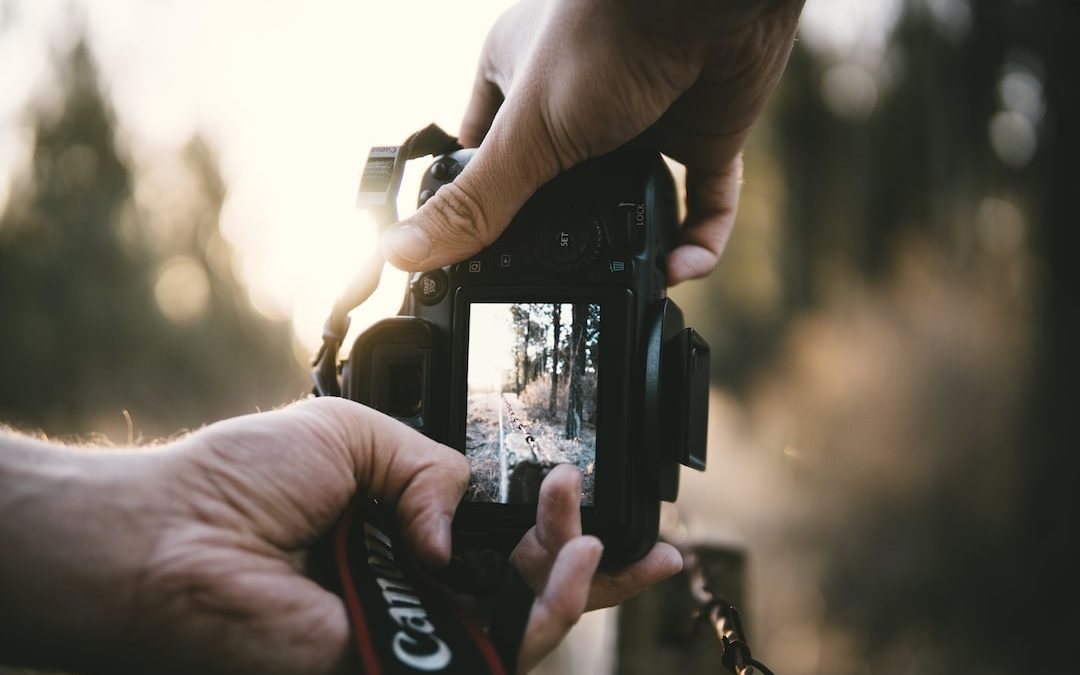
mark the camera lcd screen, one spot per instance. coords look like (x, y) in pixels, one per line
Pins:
(531, 403)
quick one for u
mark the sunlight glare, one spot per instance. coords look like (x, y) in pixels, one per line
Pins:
(491, 346)
(844, 28)
(182, 289)
(1013, 138)
(849, 90)
(291, 95)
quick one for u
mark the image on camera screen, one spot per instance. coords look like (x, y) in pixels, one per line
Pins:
(531, 404)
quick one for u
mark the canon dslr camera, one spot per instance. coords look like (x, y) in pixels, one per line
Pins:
(554, 344)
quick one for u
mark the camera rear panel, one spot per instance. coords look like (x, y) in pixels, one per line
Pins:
(587, 251)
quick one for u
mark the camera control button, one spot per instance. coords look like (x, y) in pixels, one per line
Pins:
(633, 223)
(619, 267)
(569, 242)
(441, 170)
(430, 287)
(424, 196)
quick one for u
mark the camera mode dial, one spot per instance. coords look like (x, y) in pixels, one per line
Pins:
(567, 240)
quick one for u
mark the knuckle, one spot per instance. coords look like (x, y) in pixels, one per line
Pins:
(461, 217)
(445, 464)
(459, 465)
(329, 420)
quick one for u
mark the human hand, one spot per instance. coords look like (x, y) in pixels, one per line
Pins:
(562, 81)
(264, 488)
(560, 565)
(188, 558)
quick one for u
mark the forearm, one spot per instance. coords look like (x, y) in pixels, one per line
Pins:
(68, 564)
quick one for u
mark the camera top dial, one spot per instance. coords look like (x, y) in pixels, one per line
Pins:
(566, 240)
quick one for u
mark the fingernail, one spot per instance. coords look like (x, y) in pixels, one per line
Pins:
(408, 242)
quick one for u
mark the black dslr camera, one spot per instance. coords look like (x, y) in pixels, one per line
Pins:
(554, 344)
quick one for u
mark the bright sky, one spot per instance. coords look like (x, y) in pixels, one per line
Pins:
(292, 94)
(491, 345)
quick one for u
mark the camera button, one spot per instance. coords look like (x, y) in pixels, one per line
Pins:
(633, 223)
(619, 267)
(430, 287)
(441, 171)
(571, 245)
(424, 196)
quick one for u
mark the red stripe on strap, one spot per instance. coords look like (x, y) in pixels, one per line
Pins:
(352, 600)
(495, 664)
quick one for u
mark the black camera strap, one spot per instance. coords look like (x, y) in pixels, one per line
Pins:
(402, 624)
(379, 186)
(381, 180)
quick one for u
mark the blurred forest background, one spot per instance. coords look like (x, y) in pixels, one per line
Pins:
(123, 318)
(894, 332)
(894, 329)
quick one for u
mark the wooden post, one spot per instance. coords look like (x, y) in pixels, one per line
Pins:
(655, 633)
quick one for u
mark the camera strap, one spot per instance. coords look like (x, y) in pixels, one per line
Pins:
(401, 623)
(379, 186)
(381, 180)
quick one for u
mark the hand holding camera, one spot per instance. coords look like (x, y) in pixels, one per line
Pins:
(191, 558)
(563, 81)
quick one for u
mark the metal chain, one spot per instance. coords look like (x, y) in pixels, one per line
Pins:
(530, 440)
(714, 609)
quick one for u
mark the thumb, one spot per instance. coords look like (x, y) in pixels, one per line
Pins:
(466, 215)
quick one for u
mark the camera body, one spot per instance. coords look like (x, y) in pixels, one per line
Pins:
(556, 343)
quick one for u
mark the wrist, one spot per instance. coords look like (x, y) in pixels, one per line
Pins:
(70, 528)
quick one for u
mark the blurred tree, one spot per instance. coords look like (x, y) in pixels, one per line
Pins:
(860, 190)
(108, 306)
(556, 339)
(892, 163)
(858, 156)
(1048, 611)
(575, 401)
